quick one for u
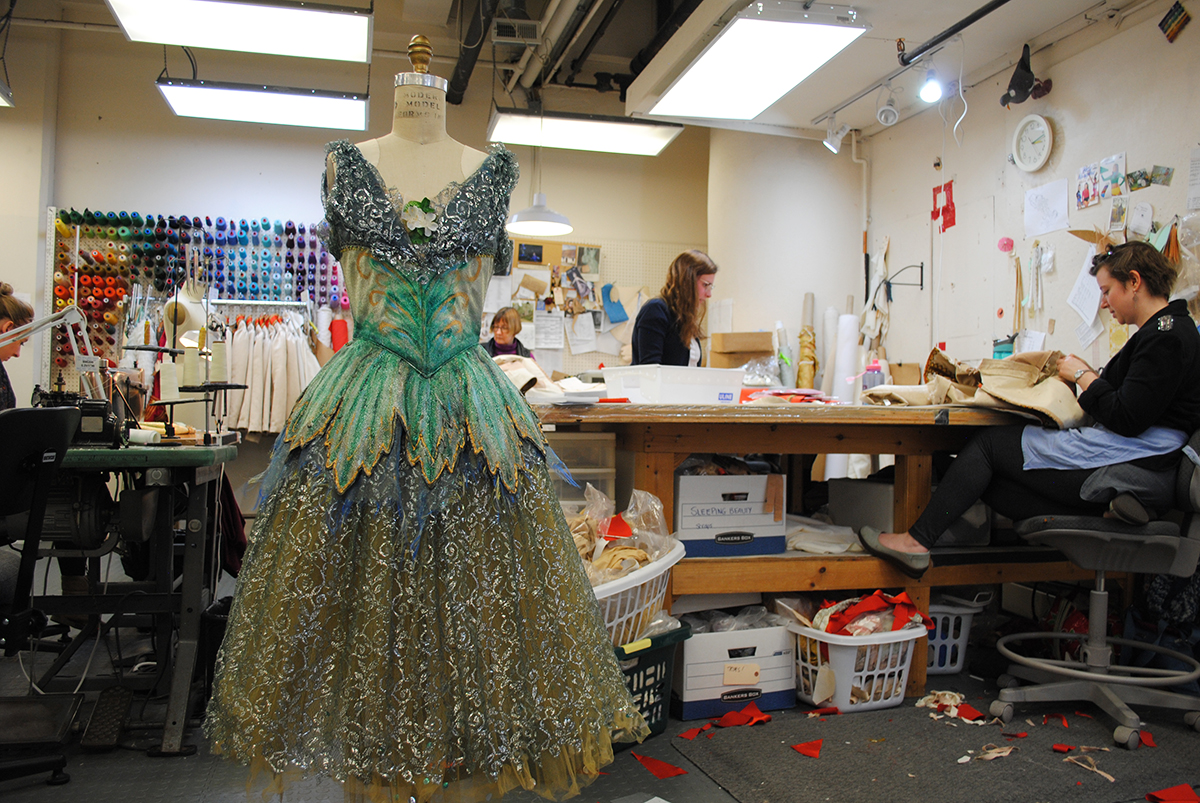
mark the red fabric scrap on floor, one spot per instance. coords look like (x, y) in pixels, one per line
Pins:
(660, 769)
(1175, 794)
(1046, 718)
(750, 715)
(968, 712)
(828, 710)
(810, 749)
(1020, 735)
(692, 733)
(1081, 714)
(1147, 738)
(1063, 748)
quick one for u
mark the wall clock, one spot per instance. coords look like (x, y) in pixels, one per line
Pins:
(1032, 142)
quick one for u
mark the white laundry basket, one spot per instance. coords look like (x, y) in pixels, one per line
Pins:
(870, 672)
(630, 602)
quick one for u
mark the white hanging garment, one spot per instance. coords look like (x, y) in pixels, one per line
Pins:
(293, 370)
(279, 383)
(258, 380)
(239, 367)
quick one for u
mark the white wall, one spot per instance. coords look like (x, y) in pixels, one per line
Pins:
(1133, 92)
(785, 219)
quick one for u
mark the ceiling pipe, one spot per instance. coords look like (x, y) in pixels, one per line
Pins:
(601, 29)
(563, 51)
(551, 7)
(468, 54)
(550, 37)
(668, 29)
(906, 58)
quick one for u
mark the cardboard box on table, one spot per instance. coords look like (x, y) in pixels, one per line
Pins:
(731, 516)
(720, 672)
(735, 349)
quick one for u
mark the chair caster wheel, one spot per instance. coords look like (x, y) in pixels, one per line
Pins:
(1001, 709)
(1192, 720)
(1007, 681)
(1127, 737)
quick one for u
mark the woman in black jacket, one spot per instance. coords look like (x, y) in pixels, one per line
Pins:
(1145, 404)
(667, 329)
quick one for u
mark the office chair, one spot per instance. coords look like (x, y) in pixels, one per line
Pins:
(34, 444)
(1103, 545)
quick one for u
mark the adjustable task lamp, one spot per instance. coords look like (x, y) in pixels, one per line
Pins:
(67, 317)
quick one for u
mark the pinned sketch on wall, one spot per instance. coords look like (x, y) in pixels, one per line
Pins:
(1046, 208)
(589, 259)
(1137, 180)
(1162, 175)
(1116, 216)
(1112, 175)
(1085, 295)
(1087, 186)
(581, 334)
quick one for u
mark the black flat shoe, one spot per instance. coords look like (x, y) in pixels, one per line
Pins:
(1127, 508)
(914, 564)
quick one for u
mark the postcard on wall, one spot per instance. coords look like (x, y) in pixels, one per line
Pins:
(1137, 180)
(1087, 186)
(1046, 208)
(589, 259)
(581, 286)
(1116, 217)
(1112, 175)
(1162, 175)
(569, 255)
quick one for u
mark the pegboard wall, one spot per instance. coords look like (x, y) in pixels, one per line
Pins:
(626, 263)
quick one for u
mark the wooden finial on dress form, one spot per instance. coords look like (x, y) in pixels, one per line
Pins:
(420, 53)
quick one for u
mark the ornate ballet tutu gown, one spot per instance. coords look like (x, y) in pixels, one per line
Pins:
(412, 618)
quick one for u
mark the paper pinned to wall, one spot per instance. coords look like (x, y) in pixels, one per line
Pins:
(550, 360)
(581, 334)
(1085, 295)
(1029, 340)
(1193, 191)
(549, 328)
(1046, 208)
(1087, 333)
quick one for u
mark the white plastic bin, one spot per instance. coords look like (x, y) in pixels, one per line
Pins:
(870, 672)
(672, 384)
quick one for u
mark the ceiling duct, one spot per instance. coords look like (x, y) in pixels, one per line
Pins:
(516, 32)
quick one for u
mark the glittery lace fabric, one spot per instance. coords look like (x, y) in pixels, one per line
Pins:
(412, 618)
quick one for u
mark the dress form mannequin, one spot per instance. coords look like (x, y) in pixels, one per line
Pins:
(418, 157)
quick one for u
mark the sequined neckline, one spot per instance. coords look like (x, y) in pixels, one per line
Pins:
(441, 201)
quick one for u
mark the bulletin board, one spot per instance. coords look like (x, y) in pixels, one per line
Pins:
(598, 262)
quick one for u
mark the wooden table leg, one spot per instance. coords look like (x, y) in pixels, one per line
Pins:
(654, 472)
(914, 477)
(917, 670)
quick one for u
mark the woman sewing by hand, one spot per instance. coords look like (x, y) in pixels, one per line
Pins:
(506, 324)
(1145, 404)
(667, 329)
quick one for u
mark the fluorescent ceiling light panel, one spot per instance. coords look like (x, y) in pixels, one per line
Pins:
(581, 132)
(273, 105)
(760, 56)
(280, 28)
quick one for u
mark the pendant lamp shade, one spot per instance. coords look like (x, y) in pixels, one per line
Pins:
(538, 220)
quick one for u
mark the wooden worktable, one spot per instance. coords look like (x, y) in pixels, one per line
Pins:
(662, 436)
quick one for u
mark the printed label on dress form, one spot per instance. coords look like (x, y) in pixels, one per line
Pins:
(420, 103)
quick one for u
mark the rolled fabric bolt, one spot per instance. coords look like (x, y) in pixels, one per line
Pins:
(339, 333)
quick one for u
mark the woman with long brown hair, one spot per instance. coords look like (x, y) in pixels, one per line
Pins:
(667, 330)
(13, 313)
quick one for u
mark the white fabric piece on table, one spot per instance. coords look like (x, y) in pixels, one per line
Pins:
(811, 535)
